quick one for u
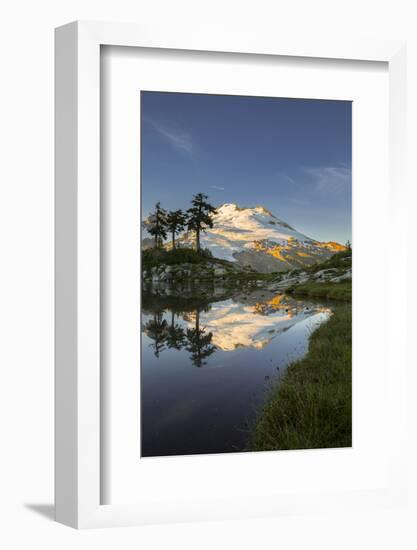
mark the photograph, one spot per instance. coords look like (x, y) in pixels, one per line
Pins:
(246, 273)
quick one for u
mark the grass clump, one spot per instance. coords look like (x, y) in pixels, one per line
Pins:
(339, 260)
(331, 291)
(311, 407)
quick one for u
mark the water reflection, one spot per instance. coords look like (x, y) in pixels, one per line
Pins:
(196, 340)
(237, 340)
(241, 321)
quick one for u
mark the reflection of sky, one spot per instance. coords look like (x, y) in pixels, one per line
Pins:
(292, 156)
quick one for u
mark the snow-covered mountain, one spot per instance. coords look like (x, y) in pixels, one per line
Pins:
(257, 238)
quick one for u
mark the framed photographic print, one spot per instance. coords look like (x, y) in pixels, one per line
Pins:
(222, 349)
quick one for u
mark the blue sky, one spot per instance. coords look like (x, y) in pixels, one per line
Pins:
(292, 156)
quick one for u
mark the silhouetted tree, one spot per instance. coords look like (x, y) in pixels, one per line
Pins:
(200, 216)
(349, 245)
(157, 225)
(176, 220)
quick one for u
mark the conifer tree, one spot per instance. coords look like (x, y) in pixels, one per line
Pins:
(176, 220)
(200, 216)
(158, 225)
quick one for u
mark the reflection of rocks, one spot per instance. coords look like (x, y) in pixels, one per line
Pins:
(190, 289)
(254, 297)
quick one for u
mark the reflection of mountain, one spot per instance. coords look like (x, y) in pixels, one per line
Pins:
(227, 325)
(236, 324)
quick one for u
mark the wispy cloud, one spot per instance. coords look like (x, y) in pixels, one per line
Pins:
(285, 179)
(217, 187)
(176, 137)
(329, 178)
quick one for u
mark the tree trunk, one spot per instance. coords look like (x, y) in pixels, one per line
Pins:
(156, 241)
(173, 240)
(197, 240)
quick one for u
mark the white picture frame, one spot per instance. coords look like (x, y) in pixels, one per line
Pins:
(78, 405)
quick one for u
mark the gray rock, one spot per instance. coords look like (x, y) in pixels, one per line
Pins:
(344, 277)
(323, 273)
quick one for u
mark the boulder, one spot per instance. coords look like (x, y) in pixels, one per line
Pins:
(323, 273)
(344, 277)
(219, 272)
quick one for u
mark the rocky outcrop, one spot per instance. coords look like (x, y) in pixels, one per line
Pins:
(219, 273)
(293, 278)
(210, 270)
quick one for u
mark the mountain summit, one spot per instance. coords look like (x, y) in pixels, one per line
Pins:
(237, 228)
(255, 237)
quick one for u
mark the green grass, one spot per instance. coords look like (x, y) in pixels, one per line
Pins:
(152, 257)
(331, 291)
(311, 407)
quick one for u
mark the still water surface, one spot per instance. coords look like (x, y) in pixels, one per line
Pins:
(207, 363)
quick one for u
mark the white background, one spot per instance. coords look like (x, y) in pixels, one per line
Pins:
(26, 302)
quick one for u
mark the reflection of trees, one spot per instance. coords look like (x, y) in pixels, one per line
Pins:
(176, 335)
(199, 343)
(172, 336)
(156, 329)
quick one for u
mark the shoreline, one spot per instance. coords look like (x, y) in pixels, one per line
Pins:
(311, 406)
